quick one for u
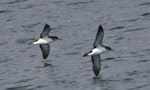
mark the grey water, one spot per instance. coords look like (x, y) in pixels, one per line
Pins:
(126, 26)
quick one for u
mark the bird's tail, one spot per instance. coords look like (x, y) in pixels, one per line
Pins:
(86, 54)
(30, 43)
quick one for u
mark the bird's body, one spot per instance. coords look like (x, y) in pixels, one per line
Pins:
(97, 51)
(98, 48)
(44, 41)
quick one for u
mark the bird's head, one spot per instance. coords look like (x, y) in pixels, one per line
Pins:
(108, 48)
(55, 38)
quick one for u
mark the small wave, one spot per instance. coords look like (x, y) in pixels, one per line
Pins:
(77, 3)
(119, 38)
(145, 14)
(140, 61)
(134, 29)
(107, 66)
(146, 50)
(58, 2)
(27, 7)
(131, 20)
(147, 3)
(111, 58)
(31, 25)
(139, 87)
(3, 43)
(24, 80)
(18, 88)
(16, 1)
(127, 79)
(132, 73)
(32, 55)
(5, 60)
(72, 53)
(118, 27)
(4, 11)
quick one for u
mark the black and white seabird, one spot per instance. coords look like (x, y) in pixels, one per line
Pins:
(44, 41)
(98, 48)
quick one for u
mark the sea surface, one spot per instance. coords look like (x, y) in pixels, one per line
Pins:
(126, 26)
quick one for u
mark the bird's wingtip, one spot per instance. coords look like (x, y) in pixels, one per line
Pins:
(100, 26)
(47, 25)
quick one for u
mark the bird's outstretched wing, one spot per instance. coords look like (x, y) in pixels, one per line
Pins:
(46, 31)
(96, 59)
(45, 50)
(99, 37)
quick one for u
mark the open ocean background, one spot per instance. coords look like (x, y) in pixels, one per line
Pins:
(126, 25)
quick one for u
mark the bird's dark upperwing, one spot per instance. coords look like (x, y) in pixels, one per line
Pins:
(96, 59)
(45, 50)
(99, 37)
(46, 31)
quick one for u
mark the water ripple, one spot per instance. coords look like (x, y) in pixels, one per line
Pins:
(24, 80)
(128, 79)
(72, 53)
(58, 2)
(5, 60)
(111, 58)
(140, 87)
(16, 1)
(30, 25)
(79, 3)
(118, 27)
(4, 43)
(27, 7)
(147, 3)
(146, 50)
(134, 29)
(5, 11)
(132, 73)
(119, 38)
(145, 14)
(140, 61)
(19, 88)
